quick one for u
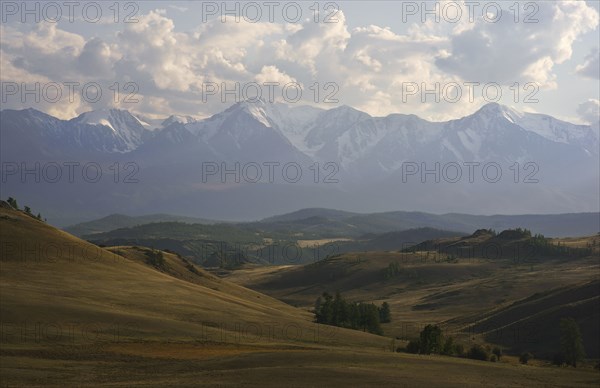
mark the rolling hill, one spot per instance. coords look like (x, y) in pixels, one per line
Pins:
(329, 223)
(62, 295)
(117, 221)
(470, 295)
(77, 314)
(532, 324)
(355, 224)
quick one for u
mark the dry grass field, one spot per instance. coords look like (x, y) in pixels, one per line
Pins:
(74, 314)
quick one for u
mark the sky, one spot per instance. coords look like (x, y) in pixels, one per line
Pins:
(161, 58)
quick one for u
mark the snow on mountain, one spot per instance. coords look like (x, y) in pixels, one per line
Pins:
(292, 121)
(126, 128)
(343, 134)
(353, 139)
(32, 118)
(369, 151)
(177, 119)
(248, 131)
(558, 130)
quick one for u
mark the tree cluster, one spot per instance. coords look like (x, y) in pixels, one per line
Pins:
(155, 258)
(431, 340)
(514, 234)
(337, 311)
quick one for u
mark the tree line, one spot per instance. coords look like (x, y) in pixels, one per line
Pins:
(13, 202)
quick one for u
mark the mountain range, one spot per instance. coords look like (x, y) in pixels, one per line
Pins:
(496, 160)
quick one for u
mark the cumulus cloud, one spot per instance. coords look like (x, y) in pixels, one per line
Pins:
(508, 52)
(273, 74)
(96, 59)
(589, 111)
(369, 65)
(591, 66)
(314, 44)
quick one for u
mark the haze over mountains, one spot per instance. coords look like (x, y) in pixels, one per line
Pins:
(347, 160)
(328, 223)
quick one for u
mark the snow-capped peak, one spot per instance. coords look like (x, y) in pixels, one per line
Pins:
(126, 128)
(493, 109)
(177, 119)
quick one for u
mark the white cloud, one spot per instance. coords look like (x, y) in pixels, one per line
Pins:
(591, 66)
(589, 111)
(369, 63)
(273, 74)
(508, 52)
(315, 44)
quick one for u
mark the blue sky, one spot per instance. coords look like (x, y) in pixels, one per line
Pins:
(375, 53)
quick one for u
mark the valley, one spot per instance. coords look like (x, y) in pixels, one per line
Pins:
(131, 314)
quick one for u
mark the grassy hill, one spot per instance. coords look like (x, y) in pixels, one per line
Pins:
(75, 314)
(61, 294)
(514, 244)
(432, 286)
(532, 324)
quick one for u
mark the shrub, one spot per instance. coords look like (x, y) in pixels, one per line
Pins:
(525, 357)
(459, 350)
(478, 352)
(13, 202)
(413, 346)
(493, 358)
(448, 348)
(155, 258)
(497, 352)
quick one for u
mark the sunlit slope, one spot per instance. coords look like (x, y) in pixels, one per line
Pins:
(54, 280)
(74, 314)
